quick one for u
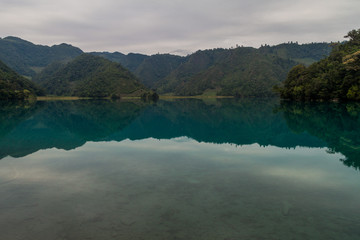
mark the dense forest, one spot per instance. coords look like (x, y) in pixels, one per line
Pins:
(240, 71)
(235, 72)
(14, 86)
(89, 76)
(302, 53)
(335, 77)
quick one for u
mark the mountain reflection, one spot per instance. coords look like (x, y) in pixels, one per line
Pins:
(28, 128)
(217, 121)
(62, 124)
(338, 124)
(13, 113)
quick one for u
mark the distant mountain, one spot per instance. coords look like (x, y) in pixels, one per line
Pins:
(157, 67)
(241, 71)
(304, 53)
(196, 63)
(28, 59)
(14, 86)
(130, 61)
(89, 76)
(149, 69)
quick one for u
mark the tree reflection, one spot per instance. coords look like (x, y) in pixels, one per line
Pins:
(241, 122)
(338, 124)
(28, 127)
(62, 124)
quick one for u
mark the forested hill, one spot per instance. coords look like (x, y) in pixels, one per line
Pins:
(302, 53)
(157, 67)
(14, 86)
(240, 71)
(89, 76)
(149, 69)
(243, 70)
(335, 77)
(28, 59)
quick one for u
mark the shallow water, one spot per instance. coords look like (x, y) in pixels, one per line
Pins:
(186, 169)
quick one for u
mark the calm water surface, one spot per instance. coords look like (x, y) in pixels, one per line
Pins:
(184, 169)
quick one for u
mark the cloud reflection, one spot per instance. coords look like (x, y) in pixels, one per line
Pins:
(173, 188)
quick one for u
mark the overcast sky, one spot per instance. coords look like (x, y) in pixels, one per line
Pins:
(175, 26)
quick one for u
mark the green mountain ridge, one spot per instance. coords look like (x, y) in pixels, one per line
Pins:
(306, 54)
(28, 59)
(14, 86)
(157, 67)
(130, 61)
(149, 69)
(241, 71)
(197, 62)
(89, 76)
(245, 71)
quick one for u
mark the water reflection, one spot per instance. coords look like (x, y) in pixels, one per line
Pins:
(184, 169)
(337, 124)
(178, 189)
(218, 121)
(13, 113)
(69, 124)
(63, 124)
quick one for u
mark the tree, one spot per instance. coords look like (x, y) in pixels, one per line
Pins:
(354, 36)
(335, 77)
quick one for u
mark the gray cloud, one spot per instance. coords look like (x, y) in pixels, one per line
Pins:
(176, 26)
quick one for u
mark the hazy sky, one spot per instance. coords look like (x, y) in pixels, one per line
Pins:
(152, 26)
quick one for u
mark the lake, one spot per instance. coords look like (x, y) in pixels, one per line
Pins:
(179, 169)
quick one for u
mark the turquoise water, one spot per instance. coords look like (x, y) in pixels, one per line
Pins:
(182, 169)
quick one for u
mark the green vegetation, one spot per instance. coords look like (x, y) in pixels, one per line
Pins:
(304, 53)
(89, 76)
(241, 72)
(150, 96)
(157, 67)
(149, 69)
(335, 77)
(27, 59)
(14, 86)
(196, 63)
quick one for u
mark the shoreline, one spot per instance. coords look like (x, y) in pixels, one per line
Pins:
(164, 97)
